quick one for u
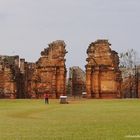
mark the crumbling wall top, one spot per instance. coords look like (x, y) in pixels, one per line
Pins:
(100, 53)
(53, 55)
(100, 41)
(55, 45)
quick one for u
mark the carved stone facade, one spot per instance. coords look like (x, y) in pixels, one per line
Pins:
(103, 77)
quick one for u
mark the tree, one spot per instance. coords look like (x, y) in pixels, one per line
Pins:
(128, 63)
(128, 59)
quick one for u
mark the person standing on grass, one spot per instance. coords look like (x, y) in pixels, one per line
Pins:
(46, 96)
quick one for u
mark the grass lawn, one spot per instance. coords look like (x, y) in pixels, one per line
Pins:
(78, 120)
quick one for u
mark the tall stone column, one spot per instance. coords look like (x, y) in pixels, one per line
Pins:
(88, 81)
(61, 82)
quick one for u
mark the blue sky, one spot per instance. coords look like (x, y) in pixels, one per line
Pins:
(27, 26)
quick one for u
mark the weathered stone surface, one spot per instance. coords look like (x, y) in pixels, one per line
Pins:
(77, 81)
(50, 72)
(103, 77)
(7, 77)
(20, 79)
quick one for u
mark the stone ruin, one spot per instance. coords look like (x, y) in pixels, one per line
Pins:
(21, 79)
(103, 77)
(7, 78)
(76, 81)
(49, 75)
(14, 76)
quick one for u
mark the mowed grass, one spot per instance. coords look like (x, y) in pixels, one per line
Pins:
(79, 120)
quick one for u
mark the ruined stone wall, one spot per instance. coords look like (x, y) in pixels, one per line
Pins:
(103, 77)
(20, 79)
(13, 77)
(50, 73)
(77, 81)
(7, 76)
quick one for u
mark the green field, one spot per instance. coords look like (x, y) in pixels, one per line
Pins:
(78, 120)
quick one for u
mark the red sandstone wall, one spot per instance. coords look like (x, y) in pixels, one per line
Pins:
(103, 77)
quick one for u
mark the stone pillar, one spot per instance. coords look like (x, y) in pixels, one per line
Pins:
(61, 82)
(88, 81)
